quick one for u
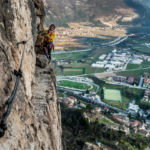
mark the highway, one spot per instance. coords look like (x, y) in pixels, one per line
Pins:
(111, 43)
(114, 72)
(101, 104)
(69, 52)
(125, 84)
(116, 41)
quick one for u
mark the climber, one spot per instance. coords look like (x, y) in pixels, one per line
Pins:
(48, 41)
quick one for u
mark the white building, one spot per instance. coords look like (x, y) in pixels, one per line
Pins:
(102, 57)
(148, 59)
(109, 66)
(133, 108)
(116, 63)
(97, 65)
(137, 61)
(101, 62)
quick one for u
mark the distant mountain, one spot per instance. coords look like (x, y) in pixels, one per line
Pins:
(142, 8)
(101, 12)
(143, 2)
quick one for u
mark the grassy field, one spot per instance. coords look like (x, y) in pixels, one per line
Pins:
(112, 95)
(108, 122)
(137, 44)
(70, 56)
(119, 104)
(130, 93)
(81, 69)
(127, 94)
(76, 85)
(75, 66)
(73, 71)
(135, 66)
(135, 73)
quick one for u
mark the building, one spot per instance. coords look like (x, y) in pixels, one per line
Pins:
(109, 66)
(130, 80)
(133, 108)
(73, 99)
(147, 121)
(98, 109)
(146, 82)
(121, 118)
(120, 78)
(137, 61)
(135, 124)
(70, 101)
(97, 65)
(82, 105)
(146, 95)
(116, 63)
(144, 133)
(102, 57)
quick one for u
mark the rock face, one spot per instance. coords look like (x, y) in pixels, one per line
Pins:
(34, 122)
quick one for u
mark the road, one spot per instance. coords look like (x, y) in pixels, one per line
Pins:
(111, 72)
(68, 52)
(111, 43)
(125, 84)
(101, 104)
(116, 41)
(124, 68)
(141, 81)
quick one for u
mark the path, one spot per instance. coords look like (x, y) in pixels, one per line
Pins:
(44, 102)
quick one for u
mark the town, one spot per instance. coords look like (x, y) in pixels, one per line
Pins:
(111, 82)
(119, 60)
(134, 118)
(69, 36)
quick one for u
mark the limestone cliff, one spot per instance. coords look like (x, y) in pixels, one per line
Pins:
(34, 122)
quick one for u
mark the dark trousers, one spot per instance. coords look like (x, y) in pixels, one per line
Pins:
(47, 50)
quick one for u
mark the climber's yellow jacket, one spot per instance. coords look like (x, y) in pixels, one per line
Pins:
(50, 35)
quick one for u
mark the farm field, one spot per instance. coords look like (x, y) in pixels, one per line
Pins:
(135, 66)
(135, 73)
(78, 63)
(73, 71)
(82, 70)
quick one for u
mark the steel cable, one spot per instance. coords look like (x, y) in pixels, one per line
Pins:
(11, 99)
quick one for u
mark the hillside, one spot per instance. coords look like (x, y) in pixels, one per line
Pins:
(101, 12)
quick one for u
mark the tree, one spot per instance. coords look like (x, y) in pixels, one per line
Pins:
(102, 93)
(83, 70)
(89, 108)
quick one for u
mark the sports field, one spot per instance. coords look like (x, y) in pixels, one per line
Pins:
(112, 95)
(76, 85)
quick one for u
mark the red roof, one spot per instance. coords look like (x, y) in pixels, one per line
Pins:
(130, 79)
(135, 123)
(117, 116)
(147, 81)
(72, 98)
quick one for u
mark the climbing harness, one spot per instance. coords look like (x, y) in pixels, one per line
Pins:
(10, 101)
